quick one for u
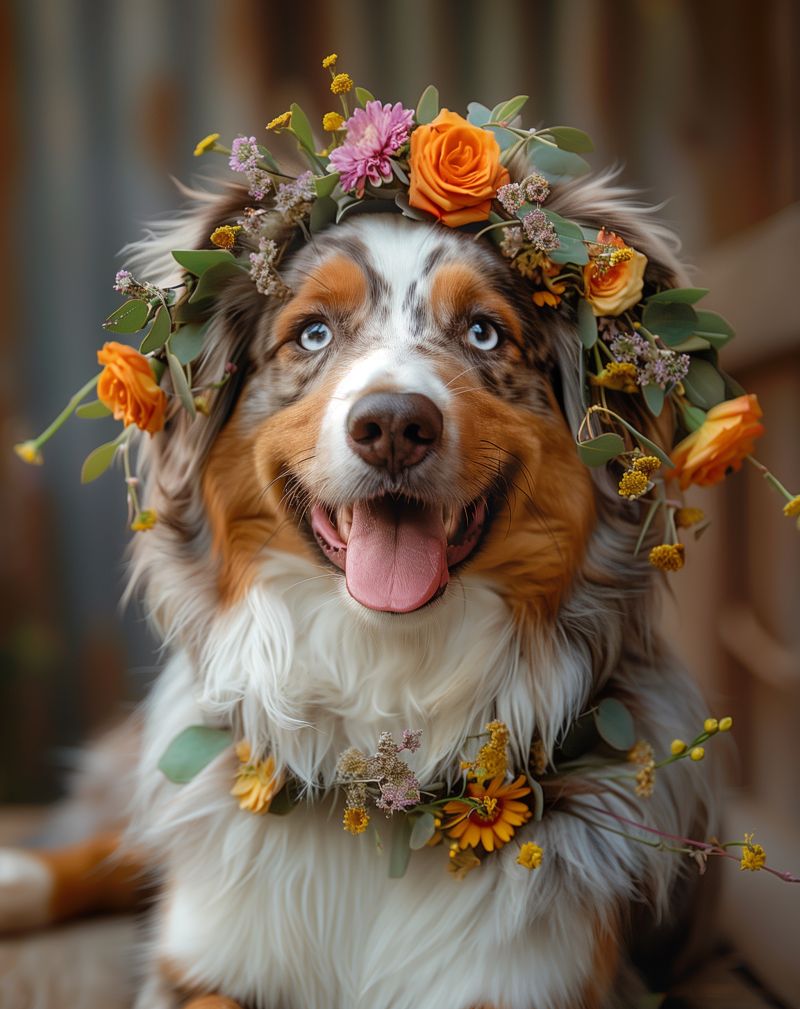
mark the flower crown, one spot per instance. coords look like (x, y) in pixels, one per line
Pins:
(434, 165)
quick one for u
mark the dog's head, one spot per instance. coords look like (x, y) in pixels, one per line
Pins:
(405, 416)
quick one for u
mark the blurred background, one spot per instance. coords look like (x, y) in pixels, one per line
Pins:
(101, 104)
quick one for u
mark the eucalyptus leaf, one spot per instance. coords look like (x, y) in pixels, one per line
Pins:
(580, 737)
(180, 385)
(401, 851)
(284, 801)
(505, 138)
(192, 750)
(401, 199)
(428, 105)
(602, 449)
(197, 261)
(325, 185)
(557, 165)
(363, 96)
(128, 318)
(569, 250)
(587, 324)
(674, 321)
(423, 830)
(692, 345)
(564, 228)
(654, 397)
(615, 724)
(158, 333)
(506, 111)
(93, 411)
(477, 114)
(704, 385)
(98, 461)
(399, 172)
(323, 213)
(693, 416)
(713, 327)
(569, 139)
(215, 279)
(686, 295)
(302, 128)
(187, 342)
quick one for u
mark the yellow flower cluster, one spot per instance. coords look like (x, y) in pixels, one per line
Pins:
(647, 464)
(753, 855)
(686, 517)
(667, 556)
(144, 521)
(492, 758)
(633, 484)
(330, 61)
(792, 508)
(256, 782)
(206, 144)
(341, 84)
(332, 121)
(224, 237)
(355, 820)
(28, 452)
(279, 122)
(530, 856)
(617, 375)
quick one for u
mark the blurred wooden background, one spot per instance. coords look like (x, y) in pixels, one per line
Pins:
(102, 101)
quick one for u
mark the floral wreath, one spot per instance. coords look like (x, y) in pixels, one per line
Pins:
(432, 164)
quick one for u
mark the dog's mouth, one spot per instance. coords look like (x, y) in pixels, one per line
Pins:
(397, 553)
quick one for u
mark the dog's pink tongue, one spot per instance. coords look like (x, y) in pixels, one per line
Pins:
(396, 555)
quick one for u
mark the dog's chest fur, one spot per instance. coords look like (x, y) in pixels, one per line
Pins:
(292, 911)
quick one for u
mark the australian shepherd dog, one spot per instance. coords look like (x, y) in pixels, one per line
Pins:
(383, 524)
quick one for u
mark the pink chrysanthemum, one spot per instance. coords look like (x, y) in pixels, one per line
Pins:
(373, 134)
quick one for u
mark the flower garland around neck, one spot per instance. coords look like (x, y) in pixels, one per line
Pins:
(599, 756)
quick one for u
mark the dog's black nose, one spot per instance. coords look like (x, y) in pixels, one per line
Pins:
(394, 430)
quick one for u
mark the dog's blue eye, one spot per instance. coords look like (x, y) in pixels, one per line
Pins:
(483, 335)
(315, 336)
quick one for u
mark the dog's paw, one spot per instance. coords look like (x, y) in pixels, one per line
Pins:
(26, 887)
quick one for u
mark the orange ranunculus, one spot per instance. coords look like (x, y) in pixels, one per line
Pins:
(610, 290)
(129, 389)
(455, 170)
(720, 444)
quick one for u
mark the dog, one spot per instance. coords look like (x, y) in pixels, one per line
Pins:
(383, 524)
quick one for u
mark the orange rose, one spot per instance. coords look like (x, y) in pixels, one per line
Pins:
(720, 444)
(455, 170)
(128, 388)
(610, 290)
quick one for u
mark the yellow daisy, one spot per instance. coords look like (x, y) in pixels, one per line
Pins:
(492, 824)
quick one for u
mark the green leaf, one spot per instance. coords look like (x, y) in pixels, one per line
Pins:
(674, 321)
(651, 514)
(615, 724)
(564, 228)
(323, 213)
(477, 114)
(505, 111)
(302, 127)
(557, 165)
(654, 397)
(159, 332)
(197, 261)
(399, 171)
(401, 850)
(693, 344)
(580, 737)
(600, 450)
(93, 410)
(192, 750)
(363, 96)
(587, 324)
(570, 139)
(325, 185)
(128, 318)
(284, 801)
(569, 250)
(423, 830)
(686, 295)
(179, 383)
(713, 327)
(538, 799)
(187, 342)
(98, 461)
(704, 385)
(428, 105)
(214, 280)
(268, 159)
(413, 212)
(693, 416)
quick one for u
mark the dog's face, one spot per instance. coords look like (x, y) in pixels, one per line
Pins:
(399, 425)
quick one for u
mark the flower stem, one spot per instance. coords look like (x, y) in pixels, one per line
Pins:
(770, 477)
(68, 410)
